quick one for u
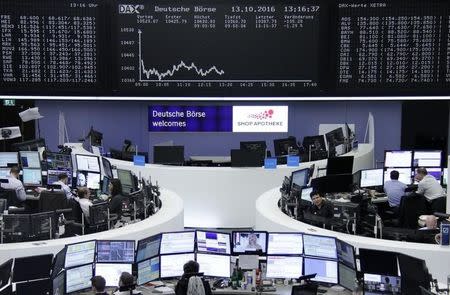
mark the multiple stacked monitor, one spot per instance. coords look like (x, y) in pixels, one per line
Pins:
(285, 255)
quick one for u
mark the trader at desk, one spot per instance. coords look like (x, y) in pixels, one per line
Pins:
(428, 185)
(394, 190)
(63, 179)
(320, 206)
(190, 283)
(15, 184)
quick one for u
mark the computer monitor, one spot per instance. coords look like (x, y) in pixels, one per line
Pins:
(347, 277)
(58, 284)
(346, 253)
(57, 161)
(249, 242)
(52, 175)
(335, 137)
(340, 165)
(4, 172)
(88, 163)
(285, 244)
(105, 185)
(405, 175)
(115, 251)
(375, 284)
(213, 242)
(314, 143)
(8, 158)
(177, 242)
(32, 268)
(397, 159)
(306, 193)
(245, 158)
(371, 178)
(80, 253)
(32, 177)
(287, 267)
(173, 155)
(148, 247)
(379, 262)
(427, 159)
(319, 246)
(445, 177)
(254, 146)
(5, 273)
(172, 265)
(283, 146)
(42, 224)
(148, 270)
(89, 179)
(30, 159)
(79, 278)
(43, 286)
(300, 177)
(414, 273)
(125, 177)
(326, 270)
(112, 271)
(17, 226)
(58, 262)
(107, 168)
(213, 265)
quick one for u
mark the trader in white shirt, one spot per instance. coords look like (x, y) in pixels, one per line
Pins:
(63, 179)
(15, 184)
(83, 199)
(428, 185)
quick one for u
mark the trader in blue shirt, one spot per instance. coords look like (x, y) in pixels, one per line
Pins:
(394, 190)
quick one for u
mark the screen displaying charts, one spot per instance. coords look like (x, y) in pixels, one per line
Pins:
(214, 265)
(285, 243)
(427, 158)
(326, 270)
(172, 265)
(148, 247)
(88, 163)
(112, 271)
(371, 177)
(79, 254)
(398, 159)
(32, 177)
(8, 158)
(284, 267)
(30, 159)
(148, 270)
(180, 242)
(320, 246)
(115, 251)
(78, 278)
(213, 242)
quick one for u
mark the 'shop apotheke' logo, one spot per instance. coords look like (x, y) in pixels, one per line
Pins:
(267, 114)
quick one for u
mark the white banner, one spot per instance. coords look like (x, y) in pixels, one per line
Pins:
(260, 118)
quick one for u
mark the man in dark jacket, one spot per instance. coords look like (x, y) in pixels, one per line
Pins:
(190, 269)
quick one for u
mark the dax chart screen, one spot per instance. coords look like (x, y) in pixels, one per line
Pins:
(174, 47)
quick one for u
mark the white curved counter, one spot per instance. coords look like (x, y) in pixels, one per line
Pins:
(168, 218)
(270, 218)
(224, 197)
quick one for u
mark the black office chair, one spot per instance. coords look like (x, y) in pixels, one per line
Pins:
(11, 197)
(411, 207)
(99, 218)
(438, 205)
(52, 200)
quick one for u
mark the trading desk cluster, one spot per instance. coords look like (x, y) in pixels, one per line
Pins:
(47, 207)
(325, 260)
(357, 203)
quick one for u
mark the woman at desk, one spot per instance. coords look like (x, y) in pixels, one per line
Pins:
(190, 283)
(116, 197)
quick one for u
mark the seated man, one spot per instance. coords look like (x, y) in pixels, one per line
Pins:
(98, 285)
(83, 198)
(428, 185)
(15, 184)
(190, 282)
(394, 190)
(320, 206)
(126, 285)
(63, 179)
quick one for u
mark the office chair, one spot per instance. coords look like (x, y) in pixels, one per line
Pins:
(51, 200)
(11, 197)
(411, 207)
(439, 204)
(15, 228)
(99, 217)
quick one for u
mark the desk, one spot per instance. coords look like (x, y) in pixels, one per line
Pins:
(270, 218)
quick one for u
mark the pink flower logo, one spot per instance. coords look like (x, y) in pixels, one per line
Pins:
(267, 114)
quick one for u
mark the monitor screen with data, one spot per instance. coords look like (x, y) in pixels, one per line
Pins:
(288, 267)
(326, 270)
(89, 179)
(319, 246)
(213, 242)
(427, 159)
(52, 175)
(148, 270)
(249, 242)
(285, 244)
(405, 175)
(213, 265)
(30, 159)
(346, 253)
(300, 177)
(115, 251)
(4, 172)
(306, 193)
(79, 254)
(398, 159)
(148, 247)
(112, 271)
(8, 158)
(179, 242)
(172, 265)
(375, 284)
(371, 178)
(79, 278)
(88, 163)
(347, 277)
(58, 161)
(32, 177)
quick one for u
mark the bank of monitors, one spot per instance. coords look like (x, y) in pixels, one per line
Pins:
(378, 262)
(319, 246)
(347, 277)
(148, 270)
(371, 178)
(283, 146)
(88, 163)
(326, 270)
(285, 244)
(346, 254)
(340, 165)
(79, 254)
(405, 175)
(32, 177)
(52, 175)
(427, 159)
(213, 265)
(89, 179)
(8, 159)
(398, 159)
(249, 242)
(115, 251)
(32, 268)
(375, 284)
(79, 278)
(57, 161)
(300, 177)
(284, 267)
(213, 242)
(306, 193)
(172, 265)
(112, 271)
(30, 159)
(177, 242)
(148, 248)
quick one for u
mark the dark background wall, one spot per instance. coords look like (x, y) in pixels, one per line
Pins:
(9, 117)
(118, 120)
